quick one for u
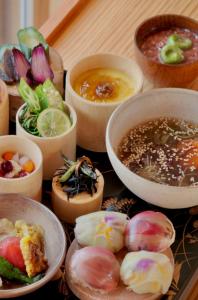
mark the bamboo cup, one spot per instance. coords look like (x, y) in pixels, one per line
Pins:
(52, 147)
(30, 185)
(4, 109)
(93, 116)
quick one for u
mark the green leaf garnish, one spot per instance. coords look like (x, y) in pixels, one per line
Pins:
(29, 96)
(171, 54)
(182, 43)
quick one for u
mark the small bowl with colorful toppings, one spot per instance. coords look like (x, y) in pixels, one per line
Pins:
(48, 121)
(21, 167)
(32, 245)
(166, 48)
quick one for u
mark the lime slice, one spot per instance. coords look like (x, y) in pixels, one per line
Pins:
(53, 122)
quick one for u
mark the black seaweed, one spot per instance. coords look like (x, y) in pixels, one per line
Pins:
(77, 177)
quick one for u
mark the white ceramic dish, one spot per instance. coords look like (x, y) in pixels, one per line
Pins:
(14, 207)
(30, 185)
(93, 116)
(4, 109)
(52, 147)
(179, 103)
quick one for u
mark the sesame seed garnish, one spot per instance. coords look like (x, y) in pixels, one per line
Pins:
(164, 150)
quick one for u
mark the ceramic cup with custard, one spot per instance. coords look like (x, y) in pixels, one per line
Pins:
(95, 86)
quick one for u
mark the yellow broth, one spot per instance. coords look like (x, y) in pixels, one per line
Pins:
(104, 85)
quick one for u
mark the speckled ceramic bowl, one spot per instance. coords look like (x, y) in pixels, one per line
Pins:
(14, 207)
(167, 102)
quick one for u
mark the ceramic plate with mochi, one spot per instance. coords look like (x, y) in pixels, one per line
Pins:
(119, 293)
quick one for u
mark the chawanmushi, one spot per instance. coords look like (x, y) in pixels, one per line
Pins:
(104, 85)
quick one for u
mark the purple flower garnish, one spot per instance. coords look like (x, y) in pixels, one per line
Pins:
(109, 218)
(40, 67)
(21, 64)
(144, 264)
(8, 64)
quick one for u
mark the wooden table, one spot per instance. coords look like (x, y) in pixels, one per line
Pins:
(82, 27)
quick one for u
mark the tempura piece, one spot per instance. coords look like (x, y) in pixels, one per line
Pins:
(32, 247)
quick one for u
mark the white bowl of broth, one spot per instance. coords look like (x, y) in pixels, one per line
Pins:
(95, 86)
(152, 143)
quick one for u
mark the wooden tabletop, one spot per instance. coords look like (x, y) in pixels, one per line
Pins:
(82, 27)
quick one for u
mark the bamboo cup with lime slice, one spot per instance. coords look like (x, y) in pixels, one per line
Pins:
(4, 109)
(52, 147)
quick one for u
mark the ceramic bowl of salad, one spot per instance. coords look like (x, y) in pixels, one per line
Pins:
(32, 59)
(95, 86)
(166, 48)
(4, 109)
(49, 122)
(32, 245)
(21, 167)
(154, 146)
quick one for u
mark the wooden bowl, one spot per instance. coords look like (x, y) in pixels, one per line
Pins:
(164, 75)
(4, 109)
(120, 293)
(16, 207)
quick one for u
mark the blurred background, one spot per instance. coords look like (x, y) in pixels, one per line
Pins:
(16, 14)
